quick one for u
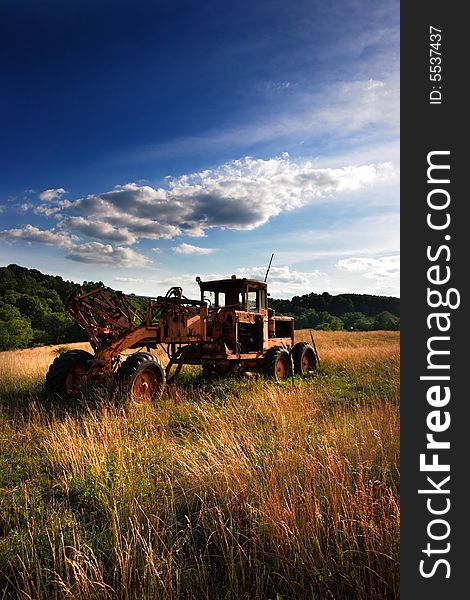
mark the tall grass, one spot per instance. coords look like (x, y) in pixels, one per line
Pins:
(230, 489)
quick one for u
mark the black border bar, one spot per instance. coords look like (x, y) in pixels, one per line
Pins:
(426, 128)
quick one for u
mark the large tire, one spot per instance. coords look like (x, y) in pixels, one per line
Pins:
(304, 358)
(67, 372)
(142, 376)
(277, 363)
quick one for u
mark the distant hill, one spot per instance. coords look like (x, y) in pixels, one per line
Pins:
(32, 310)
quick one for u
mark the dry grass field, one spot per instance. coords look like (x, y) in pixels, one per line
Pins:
(225, 489)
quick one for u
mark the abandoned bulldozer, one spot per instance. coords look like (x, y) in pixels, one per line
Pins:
(230, 329)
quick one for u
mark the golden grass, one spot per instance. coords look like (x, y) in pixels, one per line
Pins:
(233, 489)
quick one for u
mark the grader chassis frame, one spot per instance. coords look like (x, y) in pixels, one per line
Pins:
(229, 329)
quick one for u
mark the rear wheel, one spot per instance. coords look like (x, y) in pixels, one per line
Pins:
(277, 363)
(143, 377)
(68, 371)
(304, 358)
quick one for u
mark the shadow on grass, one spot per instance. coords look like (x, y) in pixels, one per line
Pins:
(21, 405)
(190, 386)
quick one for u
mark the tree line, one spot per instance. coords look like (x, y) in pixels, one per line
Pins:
(32, 310)
(354, 312)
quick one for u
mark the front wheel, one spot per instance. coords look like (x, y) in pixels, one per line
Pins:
(68, 371)
(143, 377)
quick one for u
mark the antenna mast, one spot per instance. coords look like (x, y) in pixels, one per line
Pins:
(269, 266)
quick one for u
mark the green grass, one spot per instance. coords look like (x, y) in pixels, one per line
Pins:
(225, 489)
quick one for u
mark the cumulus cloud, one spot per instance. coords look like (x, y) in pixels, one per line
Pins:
(30, 233)
(384, 267)
(91, 252)
(105, 254)
(280, 275)
(52, 208)
(190, 249)
(25, 207)
(99, 230)
(283, 281)
(241, 195)
(52, 194)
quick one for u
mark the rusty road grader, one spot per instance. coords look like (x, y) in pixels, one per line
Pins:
(229, 330)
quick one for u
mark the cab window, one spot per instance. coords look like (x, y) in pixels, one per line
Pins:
(209, 297)
(252, 300)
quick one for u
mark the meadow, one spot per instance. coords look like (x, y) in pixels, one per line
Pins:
(224, 489)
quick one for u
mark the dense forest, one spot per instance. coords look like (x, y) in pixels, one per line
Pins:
(32, 310)
(356, 312)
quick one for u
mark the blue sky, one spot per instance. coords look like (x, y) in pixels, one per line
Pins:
(144, 143)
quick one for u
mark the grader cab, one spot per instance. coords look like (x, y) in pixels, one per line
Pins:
(230, 329)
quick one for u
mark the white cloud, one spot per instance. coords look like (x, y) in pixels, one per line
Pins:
(99, 230)
(52, 194)
(385, 267)
(283, 281)
(241, 195)
(54, 207)
(280, 275)
(132, 279)
(30, 233)
(371, 84)
(25, 207)
(91, 252)
(105, 254)
(190, 249)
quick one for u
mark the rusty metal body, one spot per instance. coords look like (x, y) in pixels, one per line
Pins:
(239, 325)
(230, 329)
(231, 325)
